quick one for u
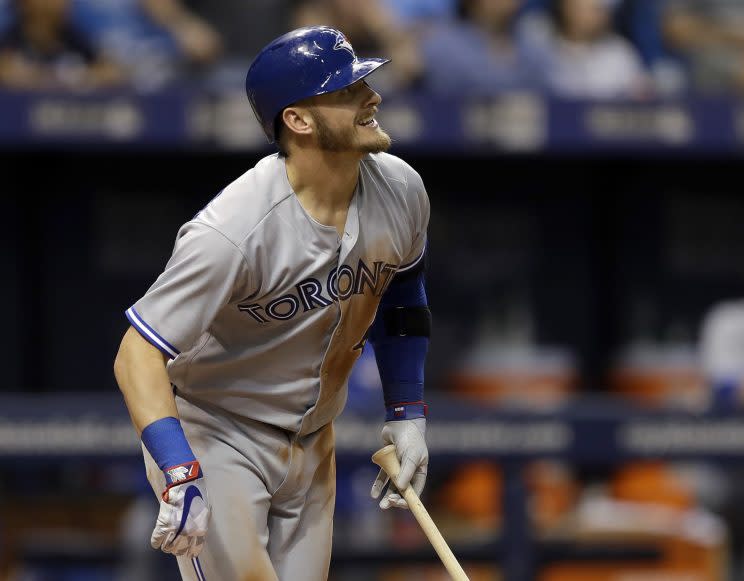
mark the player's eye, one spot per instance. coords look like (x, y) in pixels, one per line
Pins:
(353, 88)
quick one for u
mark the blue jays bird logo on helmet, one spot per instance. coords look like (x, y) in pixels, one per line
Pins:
(343, 44)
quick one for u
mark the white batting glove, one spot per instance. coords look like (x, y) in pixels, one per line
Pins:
(408, 437)
(183, 519)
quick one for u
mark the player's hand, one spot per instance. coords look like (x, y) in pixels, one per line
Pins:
(183, 519)
(408, 437)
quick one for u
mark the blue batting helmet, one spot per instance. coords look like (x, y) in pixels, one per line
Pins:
(302, 63)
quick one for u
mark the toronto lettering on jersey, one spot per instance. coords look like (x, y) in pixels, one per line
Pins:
(342, 282)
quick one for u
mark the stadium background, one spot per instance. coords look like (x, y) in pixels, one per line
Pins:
(586, 273)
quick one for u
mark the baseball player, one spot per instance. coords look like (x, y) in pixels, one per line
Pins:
(237, 358)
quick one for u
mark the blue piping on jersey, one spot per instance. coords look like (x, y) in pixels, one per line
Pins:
(150, 334)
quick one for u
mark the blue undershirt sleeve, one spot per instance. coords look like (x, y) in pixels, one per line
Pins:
(400, 359)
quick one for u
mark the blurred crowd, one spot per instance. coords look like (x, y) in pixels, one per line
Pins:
(635, 49)
(596, 49)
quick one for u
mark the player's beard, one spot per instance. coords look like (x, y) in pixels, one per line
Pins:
(348, 138)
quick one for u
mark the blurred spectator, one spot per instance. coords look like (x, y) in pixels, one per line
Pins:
(722, 353)
(198, 41)
(588, 59)
(413, 12)
(709, 36)
(42, 50)
(244, 27)
(157, 41)
(373, 29)
(640, 21)
(483, 51)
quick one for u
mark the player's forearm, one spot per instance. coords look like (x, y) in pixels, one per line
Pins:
(140, 372)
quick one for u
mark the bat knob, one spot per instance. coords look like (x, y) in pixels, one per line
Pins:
(386, 459)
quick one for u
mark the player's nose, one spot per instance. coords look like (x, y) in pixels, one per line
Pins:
(373, 98)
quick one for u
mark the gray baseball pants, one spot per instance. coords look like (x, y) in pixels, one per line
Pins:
(272, 498)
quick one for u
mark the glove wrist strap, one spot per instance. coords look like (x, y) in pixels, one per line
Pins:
(181, 474)
(407, 410)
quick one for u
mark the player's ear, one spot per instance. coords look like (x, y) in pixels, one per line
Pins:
(298, 120)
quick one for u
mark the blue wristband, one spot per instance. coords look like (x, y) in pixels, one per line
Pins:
(167, 444)
(406, 411)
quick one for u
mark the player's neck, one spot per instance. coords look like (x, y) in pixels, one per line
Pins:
(324, 180)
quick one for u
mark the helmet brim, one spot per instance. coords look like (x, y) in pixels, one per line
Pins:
(359, 69)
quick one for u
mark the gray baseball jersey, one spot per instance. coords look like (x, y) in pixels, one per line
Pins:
(263, 310)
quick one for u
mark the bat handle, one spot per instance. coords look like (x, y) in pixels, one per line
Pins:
(388, 461)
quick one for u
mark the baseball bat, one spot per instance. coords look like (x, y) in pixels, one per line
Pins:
(386, 459)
